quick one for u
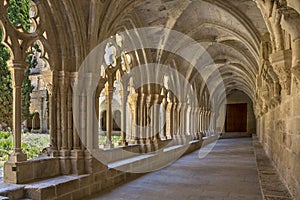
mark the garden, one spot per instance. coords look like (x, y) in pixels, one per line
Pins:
(32, 145)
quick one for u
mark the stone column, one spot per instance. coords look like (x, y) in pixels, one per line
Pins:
(178, 119)
(156, 114)
(144, 117)
(17, 74)
(132, 100)
(75, 139)
(209, 122)
(42, 128)
(63, 110)
(163, 121)
(202, 120)
(124, 95)
(49, 78)
(175, 118)
(169, 120)
(52, 118)
(108, 98)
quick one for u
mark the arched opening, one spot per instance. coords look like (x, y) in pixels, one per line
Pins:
(36, 121)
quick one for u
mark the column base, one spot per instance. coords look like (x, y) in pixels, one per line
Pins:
(123, 143)
(109, 145)
(77, 161)
(17, 157)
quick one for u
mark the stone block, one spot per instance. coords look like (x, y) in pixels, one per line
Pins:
(41, 193)
(65, 164)
(95, 188)
(85, 180)
(67, 187)
(65, 197)
(82, 193)
(100, 176)
(46, 168)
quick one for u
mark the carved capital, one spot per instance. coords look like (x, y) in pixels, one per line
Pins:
(17, 75)
(281, 62)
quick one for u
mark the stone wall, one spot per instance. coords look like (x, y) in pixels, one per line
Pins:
(279, 133)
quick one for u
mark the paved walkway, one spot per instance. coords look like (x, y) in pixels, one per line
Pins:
(228, 172)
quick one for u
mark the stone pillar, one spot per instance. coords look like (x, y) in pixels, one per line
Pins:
(42, 128)
(49, 78)
(124, 95)
(150, 116)
(63, 110)
(174, 119)
(156, 114)
(17, 74)
(169, 120)
(144, 117)
(75, 138)
(132, 100)
(178, 119)
(52, 117)
(108, 98)
(201, 120)
(163, 121)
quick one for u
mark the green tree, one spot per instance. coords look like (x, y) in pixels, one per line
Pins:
(5, 86)
(18, 14)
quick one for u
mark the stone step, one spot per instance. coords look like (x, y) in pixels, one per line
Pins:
(11, 191)
(56, 187)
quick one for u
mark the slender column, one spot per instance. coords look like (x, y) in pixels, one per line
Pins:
(178, 119)
(163, 120)
(58, 123)
(169, 120)
(175, 118)
(192, 118)
(156, 114)
(75, 138)
(50, 78)
(52, 117)
(41, 100)
(124, 94)
(70, 121)
(143, 117)
(201, 120)
(108, 97)
(83, 121)
(132, 100)
(63, 109)
(17, 73)
(148, 115)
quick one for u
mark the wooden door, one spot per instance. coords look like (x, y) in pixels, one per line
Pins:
(236, 118)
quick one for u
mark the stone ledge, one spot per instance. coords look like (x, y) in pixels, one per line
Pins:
(11, 191)
(271, 184)
(30, 170)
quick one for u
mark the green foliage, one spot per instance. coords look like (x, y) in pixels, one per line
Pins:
(5, 86)
(32, 144)
(18, 13)
(114, 139)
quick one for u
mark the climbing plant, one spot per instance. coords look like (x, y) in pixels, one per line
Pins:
(18, 14)
(5, 86)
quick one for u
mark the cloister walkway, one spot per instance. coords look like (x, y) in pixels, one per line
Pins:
(229, 171)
